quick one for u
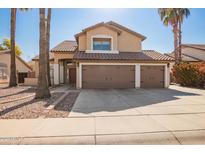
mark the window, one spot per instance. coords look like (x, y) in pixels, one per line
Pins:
(101, 43)
(3, 73)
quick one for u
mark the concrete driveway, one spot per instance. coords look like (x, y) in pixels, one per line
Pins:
(176, 115)
(130, 102)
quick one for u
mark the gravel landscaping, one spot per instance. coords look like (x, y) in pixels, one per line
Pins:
(6, 91)
(9, 94)
(64, 107)
(30, 108)
(27, 108)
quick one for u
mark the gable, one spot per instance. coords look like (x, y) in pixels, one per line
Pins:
(123, 39)
(85, 39)
(125, 29)
(21, 65)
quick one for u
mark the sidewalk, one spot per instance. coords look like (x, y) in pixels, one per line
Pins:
(102, 130)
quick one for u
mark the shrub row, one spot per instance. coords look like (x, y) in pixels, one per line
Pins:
(189, 74)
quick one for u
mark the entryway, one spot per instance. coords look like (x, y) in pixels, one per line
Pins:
(70, 74)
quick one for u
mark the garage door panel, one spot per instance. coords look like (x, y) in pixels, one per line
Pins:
(108, 76)
(152, 76)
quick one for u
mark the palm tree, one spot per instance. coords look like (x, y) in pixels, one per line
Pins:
(43, 88)
(182, 12)
(168, 16)
(13, 80)
(174, 17)
(48, 44)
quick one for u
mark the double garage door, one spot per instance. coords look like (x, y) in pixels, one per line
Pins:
(121, 76)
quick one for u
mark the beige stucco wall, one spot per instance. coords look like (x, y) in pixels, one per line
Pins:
(128, 42)
(36, 68)
(82, 42)
(62, 55)
(20, 66)
(30, 81)
(125, 42)
(194, 52)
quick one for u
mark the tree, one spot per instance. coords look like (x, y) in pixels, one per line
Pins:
(174, 17)
(182, 12)
(48, 44)
(43, 88)
(6, 45)
(13, 80)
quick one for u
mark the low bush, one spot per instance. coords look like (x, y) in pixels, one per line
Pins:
(189, 74)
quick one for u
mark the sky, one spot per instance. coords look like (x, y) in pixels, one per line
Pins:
(65, 23)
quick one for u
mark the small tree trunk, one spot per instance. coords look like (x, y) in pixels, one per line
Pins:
(180, 41)
(175, 43)
(48, 44)
(13, 81)
(43, 88)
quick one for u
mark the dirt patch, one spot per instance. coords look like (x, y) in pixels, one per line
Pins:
(63, 108)
(27, 108)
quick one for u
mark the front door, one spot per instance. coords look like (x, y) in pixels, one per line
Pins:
(72, 75)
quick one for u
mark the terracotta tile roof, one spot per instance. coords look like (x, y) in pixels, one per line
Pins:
(51, 56)
(196, 46)
(185, 57)
(67, 45)
(145, 55)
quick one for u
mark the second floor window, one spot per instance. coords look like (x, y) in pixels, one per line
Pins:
(101, 43)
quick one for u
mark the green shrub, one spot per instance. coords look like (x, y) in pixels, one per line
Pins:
(189, 74)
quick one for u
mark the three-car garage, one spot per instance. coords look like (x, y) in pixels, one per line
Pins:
(98, 76)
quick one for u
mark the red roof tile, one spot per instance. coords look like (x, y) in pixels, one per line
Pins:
(145, 55)
(65, 46)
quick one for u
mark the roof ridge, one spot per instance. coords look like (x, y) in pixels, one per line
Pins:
(69, 40)
(199, 47)
(192, 44)
(149, 50)
(125, 28)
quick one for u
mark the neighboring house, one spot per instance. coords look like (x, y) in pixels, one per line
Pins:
(109, 55)
(22, 68)
(192, 53)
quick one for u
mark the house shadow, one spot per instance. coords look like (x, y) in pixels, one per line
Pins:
(23, 104)
(28, 90)
(112, 100)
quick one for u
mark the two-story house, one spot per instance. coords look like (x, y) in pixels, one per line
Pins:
(109, 55)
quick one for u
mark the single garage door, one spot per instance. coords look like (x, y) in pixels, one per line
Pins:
(152, 76)
(108, 76)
